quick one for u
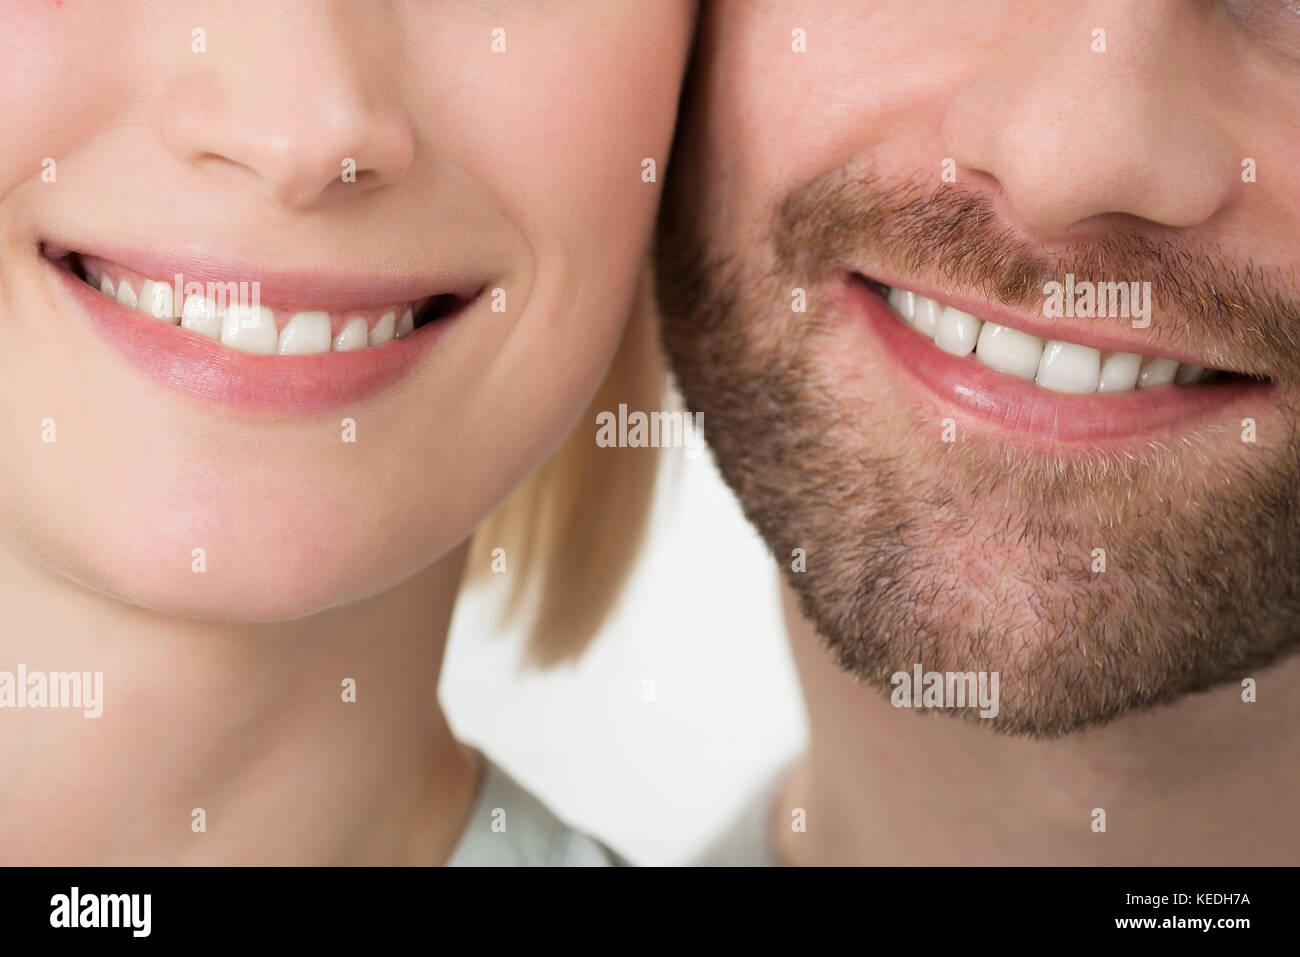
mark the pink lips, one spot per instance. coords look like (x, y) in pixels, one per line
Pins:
(1020, 407)
(198, 367)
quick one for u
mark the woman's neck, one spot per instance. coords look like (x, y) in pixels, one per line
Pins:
(251, 725)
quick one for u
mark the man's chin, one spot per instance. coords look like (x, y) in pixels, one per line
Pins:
(1066, 655)
(1092, 588)
(1094, 578)
(1093, 585)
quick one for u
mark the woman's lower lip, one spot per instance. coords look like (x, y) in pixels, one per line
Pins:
(1024, 408)
(198, 367)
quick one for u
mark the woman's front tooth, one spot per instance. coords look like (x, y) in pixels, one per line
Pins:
(405, 325)
(250, 329)
(1119, 372)
(156, 301)
(925, 315)
(383, 330)
(958, 332)
(1009, 350)
(1157, 372)
(1066, 367)
(903, 303)
(126, 295)
(199, 314)
(106, 287)
(306, 333)
(1188, 375)
(352, 336)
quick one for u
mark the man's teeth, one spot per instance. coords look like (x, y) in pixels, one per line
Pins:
(1052, 364)
(926, 315)
(1120, 371)
(253, 329)
(957, 333)
(1158, 372)
(1066, 367)
(1010, 350)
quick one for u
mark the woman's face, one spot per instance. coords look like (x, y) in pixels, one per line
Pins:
(477, 163)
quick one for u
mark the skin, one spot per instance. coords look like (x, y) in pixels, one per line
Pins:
(975, 556)
(324, 560)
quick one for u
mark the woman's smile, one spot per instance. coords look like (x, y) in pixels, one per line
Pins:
(224, 340)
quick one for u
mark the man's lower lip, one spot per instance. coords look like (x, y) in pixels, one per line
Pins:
(1021, 407)
(203, 369)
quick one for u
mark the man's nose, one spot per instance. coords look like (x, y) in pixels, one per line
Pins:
(1086, 122)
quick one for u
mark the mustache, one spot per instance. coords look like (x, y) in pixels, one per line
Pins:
(1238, 316)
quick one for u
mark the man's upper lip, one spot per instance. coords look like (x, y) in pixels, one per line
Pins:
(334, 286)
(1097, 333)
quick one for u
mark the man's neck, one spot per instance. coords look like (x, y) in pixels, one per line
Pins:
(222, 743)
(1207, 780)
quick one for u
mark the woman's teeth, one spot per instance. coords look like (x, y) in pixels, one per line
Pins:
(1052, 364)
(254, 328)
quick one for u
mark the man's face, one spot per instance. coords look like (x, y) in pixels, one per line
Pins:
(990, 485)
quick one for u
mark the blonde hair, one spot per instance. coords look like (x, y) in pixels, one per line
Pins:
(572, 532)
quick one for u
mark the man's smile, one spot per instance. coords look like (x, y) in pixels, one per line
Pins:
(1056, 364)
(1055, 389)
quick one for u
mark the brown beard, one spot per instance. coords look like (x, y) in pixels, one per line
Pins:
(977, 557)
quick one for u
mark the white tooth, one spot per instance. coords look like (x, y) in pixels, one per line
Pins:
(1188, 375)
(106, 287)
(156, 301)
(249, 329)
(126, 295)
(306, 333)
(902, 302)
(353, 336)
(383, 329)
(199, 314)
(1009, 350)
(925, 315)
(1119, 372)
(405, 325)
(1066, 367)
(958, 332)
(1157, 372)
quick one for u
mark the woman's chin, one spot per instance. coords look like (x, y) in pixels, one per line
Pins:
(244, 575)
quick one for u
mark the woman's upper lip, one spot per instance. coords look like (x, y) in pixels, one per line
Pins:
(332, 286)
(1081, 331)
